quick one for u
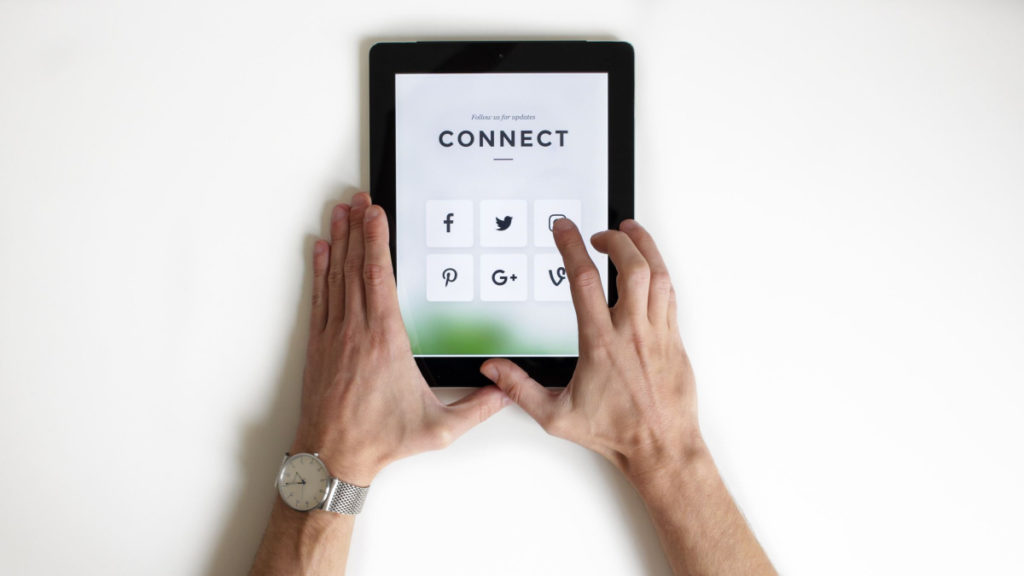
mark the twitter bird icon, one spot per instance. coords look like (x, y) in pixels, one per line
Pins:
(503, 223)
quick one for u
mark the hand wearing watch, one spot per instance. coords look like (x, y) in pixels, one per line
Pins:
(305, 484)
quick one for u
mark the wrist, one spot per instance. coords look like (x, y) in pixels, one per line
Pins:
(309, 524)
(301, 542)
(661, 465)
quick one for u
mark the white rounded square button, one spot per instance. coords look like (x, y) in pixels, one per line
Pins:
(503, 223)
(550, 281)
(449, 277)
(545, 212)
(503, 277)
(449, 223)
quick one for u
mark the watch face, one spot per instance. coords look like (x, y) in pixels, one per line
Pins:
(303, 482)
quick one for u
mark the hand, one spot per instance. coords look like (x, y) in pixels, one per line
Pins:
(364, 402)
(632, 397)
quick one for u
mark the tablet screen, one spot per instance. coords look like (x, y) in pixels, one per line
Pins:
(484, 165)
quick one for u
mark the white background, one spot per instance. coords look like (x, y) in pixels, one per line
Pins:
(838, 187)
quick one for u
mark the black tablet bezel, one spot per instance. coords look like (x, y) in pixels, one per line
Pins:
(613, 58)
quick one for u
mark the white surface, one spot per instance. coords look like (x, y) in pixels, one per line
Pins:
(838, 187)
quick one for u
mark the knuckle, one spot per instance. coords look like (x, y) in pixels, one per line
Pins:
(638, 274)
(483, 413)
(374, 274)
(661, 282)
(586, 276)
(375, 233)
(336, 275)
(352, 268)
(355, 222)
(350, 337)
(355, 216)
(511, 389)
(318, 298)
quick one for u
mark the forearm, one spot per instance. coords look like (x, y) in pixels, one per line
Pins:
(310, 543)
(698, 523)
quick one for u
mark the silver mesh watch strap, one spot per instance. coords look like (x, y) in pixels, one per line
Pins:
(345, 498)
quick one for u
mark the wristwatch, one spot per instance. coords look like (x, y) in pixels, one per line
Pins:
(305, 484)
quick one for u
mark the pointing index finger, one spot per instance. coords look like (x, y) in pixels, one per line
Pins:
(592, 314)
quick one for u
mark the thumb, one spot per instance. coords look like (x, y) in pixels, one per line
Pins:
(529, 394)
(474, 408)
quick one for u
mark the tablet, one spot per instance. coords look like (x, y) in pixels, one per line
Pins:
(476, 148)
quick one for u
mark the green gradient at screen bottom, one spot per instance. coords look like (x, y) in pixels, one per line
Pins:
(440, 334)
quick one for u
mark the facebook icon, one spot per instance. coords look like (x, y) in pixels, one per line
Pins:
(449, 224)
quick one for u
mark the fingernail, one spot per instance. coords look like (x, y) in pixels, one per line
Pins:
(372, 212)
(562, 224)
(628, 225)
(505, 400)
(339, 213)
(360, 200)
(490, 372)
(319, 248)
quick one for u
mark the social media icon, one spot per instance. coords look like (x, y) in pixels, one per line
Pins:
(500, 278)
(503, 277)
(550, 279)
(449, 275)
(502, 223)
(547, 212)
(449, 223)
(557, 275)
